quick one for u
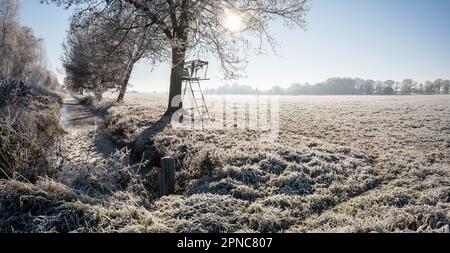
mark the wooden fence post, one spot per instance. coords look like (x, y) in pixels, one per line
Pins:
(167, 176)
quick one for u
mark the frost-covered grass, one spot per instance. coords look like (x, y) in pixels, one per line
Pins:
(356, 164)
(29, 130)
(340, 164)
(85, 198)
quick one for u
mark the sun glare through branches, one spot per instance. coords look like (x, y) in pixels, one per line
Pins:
(233, 21)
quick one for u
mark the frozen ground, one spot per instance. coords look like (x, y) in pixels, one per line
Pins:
(353, 164)
(85, 139)
(340, 164)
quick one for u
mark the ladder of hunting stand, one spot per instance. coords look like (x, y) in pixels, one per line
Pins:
(199, 104)
(192, 85)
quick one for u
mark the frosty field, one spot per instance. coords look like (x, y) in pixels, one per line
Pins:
(345, 164)
(339, 164)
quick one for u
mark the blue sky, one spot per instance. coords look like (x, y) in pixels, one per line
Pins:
(376, 39)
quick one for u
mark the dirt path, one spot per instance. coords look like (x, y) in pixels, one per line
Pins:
(85, 141)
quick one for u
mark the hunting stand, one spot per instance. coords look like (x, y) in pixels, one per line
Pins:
(195, 72)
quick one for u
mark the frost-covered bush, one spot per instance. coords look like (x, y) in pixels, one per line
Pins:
(87, 100)
(30, 130)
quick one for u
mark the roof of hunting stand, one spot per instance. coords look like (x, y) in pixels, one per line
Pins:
(195, 70)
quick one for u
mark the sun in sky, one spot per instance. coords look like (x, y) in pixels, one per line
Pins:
(233, 21)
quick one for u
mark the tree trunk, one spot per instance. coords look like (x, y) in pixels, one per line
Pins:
(123, 88)
(176, 79)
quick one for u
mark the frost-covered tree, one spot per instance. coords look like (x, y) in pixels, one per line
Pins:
(22, 54)
(9, 15)
(226, 29)
(379, 87)
(446, 87)
(388, 90)
(87, 65)
(101, 49)
(75, 62)
(116, 39)
(429, 88)
(365, 87)
(407, 86)
(437, 86)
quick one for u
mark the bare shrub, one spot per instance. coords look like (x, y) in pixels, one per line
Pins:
(87, 100)
(29, 132)
(56, 93)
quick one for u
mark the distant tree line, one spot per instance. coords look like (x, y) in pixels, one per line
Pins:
(22, 54)
(234, 89)
(344, 86)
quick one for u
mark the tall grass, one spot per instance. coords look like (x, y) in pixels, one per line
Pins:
(30, 130)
